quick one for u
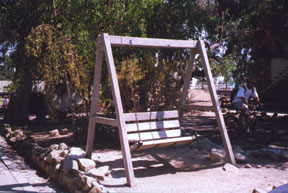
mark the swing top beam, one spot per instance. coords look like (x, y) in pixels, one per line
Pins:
(151, 42)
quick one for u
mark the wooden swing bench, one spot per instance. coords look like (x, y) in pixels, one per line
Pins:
(146, 130)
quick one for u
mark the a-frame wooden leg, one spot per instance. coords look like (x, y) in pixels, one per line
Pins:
(216, 106)
(187, 81)
(119, 112)
(95, 95)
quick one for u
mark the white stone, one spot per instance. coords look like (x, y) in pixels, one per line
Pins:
(100, 172)
(69, 166)
(95, 158)
(54, 157)
(247, 166)
(97, 188)
(217, 155)
(258, 190)
(63, 146)
(64, 153)
(64, 131)
(57, 167)
(53, 147)
(87, 182)
(202, 144)
(86, 164)
(240, 158)
(230, 168)
(76, 153)
(54, 133)
(18, 133)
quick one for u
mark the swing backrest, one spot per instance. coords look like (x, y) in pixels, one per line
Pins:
(154, 129)
(145, 126)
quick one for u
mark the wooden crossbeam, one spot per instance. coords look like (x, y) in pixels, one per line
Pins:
(105, 121)
(152, 42)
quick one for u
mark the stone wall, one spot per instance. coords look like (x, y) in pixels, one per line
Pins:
(67, 166)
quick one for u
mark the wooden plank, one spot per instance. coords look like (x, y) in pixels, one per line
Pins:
(144, 136)
(163, 143)
(154, 115)
(94, 99)
(215, 102)
(187, 81)
(153, 125)
(198, 107)
(151, 42)
(125, 148)
(105, 121)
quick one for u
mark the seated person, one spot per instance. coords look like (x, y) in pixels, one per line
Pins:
(241, 100)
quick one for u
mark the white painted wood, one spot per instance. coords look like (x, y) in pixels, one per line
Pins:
(141, 116)
(215, 102)
(187, 81)
(153, 125)
(163, 143)
(163, 134)
(94, 100)
(151, 42)
(156, 138)
(105, 121)
(119, 113)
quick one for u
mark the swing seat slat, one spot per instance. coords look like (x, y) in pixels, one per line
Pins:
(162, 143)
(153, 135)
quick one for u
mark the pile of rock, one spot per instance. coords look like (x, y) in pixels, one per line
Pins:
(65, 165)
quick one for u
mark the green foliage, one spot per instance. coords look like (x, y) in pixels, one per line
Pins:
(57, 59)
(55, 41)
(255, 33)
(150, 81)
(225, 67)
(129, 77)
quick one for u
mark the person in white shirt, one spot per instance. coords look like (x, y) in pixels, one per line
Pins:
(240, 101)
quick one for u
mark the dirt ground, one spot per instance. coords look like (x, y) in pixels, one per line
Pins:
(181, 169)
(186, 169)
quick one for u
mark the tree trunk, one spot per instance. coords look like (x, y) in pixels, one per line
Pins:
(17, 112)
(72, 107)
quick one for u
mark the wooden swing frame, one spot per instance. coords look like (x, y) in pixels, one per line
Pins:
(104, 48)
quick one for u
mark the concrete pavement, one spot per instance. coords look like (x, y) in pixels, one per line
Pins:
(16, 175)
(13, 181)
(11, 178)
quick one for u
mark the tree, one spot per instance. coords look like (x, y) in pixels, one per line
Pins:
(255, 32)
(58, 62)
(232, 32)
(16, 21)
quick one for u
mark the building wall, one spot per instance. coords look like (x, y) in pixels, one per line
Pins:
(3, 84)
(278, 65)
